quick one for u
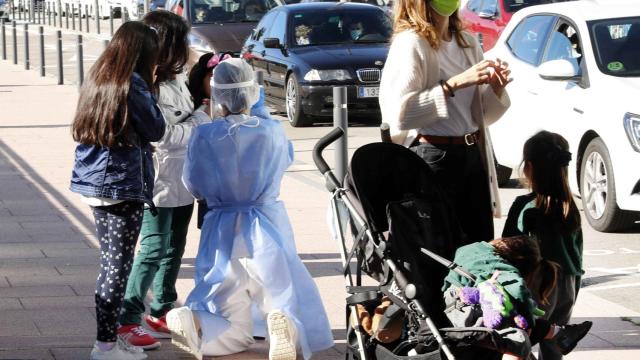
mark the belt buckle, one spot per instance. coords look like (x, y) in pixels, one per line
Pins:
(469, 139)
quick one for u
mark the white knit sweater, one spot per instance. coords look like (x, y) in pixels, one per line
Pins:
(411, 96)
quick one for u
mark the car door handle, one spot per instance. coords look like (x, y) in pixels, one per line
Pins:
(532, 92)
(579, 111)
(263, 53)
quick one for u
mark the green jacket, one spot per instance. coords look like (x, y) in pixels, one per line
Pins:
(480, 260)
(564, 249)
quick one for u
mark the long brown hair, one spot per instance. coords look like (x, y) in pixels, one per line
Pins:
(102, 115)
(415, 15)
(546, 159)
(523, 253)
(174, 49)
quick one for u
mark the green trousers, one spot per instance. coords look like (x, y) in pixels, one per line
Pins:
(157, 263)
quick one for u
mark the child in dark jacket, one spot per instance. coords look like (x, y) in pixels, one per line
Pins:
(550, 214)
(510, 266)
(116, 119)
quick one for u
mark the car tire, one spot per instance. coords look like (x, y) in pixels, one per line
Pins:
(597, 189)
(292, 104)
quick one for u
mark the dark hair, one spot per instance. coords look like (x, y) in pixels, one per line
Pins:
(197, 73)
(546, 157)
(523, 253)
(102, 116)
(174, 49)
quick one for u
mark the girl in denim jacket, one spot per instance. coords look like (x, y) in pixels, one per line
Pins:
(116, 119)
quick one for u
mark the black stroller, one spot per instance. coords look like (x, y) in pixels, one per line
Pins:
(396, 226)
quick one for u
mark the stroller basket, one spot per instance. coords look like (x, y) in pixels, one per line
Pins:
(392, 220)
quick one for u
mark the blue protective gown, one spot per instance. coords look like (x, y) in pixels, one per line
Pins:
(238, 171)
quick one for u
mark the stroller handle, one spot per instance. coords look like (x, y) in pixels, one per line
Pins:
(321, 164)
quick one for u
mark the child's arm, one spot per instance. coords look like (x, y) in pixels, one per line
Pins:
(146, 117)
(259, 109)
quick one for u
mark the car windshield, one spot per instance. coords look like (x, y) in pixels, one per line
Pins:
(616, 44)
(515, 5)
(340, 26)
(228, 11)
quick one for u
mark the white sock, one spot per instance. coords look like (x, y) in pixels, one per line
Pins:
(556, 329)
(105, 346)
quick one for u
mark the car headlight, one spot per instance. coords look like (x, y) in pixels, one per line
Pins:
(632, 128)
(200, 45)
(327, 75)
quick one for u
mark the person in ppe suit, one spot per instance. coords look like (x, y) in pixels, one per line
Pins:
(247, 253)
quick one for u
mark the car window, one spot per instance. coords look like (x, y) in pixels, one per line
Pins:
(225, 11)
(616, 44)
(340, 25)
(564, 44)
(528, 38)
(489, 7)
(512, 6)
(263, 26)
(277, 30)
(474, 5)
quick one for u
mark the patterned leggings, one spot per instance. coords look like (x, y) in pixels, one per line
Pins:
(117, 227)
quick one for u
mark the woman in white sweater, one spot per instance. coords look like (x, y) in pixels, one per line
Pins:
(438, 95)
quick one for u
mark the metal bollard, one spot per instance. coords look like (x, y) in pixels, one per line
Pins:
(4, 42)
(41, 33)
(145, 8)
(66, 15)
(26, 46)
(55, 15)
(60, 13)
(38, 9)
(80, 63)
(59, 50)
(80, 17)
(15, 42)
(49, 13)
(19, 9)
(111, 19)
(96, 12)
(341, 120)
(31, 14)
(73, 17)
(86, 16)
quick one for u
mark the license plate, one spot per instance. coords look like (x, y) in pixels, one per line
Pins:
(368, 92)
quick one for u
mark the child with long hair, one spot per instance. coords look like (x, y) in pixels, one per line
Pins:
(116, 119)
(514, 269)
(550, 214)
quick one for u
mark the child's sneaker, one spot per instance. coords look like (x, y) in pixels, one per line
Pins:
(118, 352)
(135, 335)
(282, 336)
(569, 335)
(157, 327)
(183, 330)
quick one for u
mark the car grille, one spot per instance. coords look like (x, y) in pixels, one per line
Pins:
(369, 75)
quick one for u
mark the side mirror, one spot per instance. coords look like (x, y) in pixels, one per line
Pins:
(487, 14)
(271, 43)
(559, 70)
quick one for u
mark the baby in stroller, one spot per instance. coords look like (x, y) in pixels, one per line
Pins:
(501, 298)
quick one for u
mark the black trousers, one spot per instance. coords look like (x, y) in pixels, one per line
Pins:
(460, 172)
(117, 227)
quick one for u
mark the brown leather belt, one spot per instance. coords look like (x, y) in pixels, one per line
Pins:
(468, 139)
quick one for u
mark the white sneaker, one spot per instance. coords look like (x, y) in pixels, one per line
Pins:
(183, 330)
(131, 348)
(118, 352)
(282, 336)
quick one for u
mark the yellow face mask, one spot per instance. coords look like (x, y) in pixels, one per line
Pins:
(445, 7)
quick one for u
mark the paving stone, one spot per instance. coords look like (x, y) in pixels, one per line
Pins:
(12, 251)
(85, 289)
(63, 322)
(88, 252)
(36, 291)
(34, 270)
(77, 269)
(57, 302)
(26, 355)
(12, 233)
(46, 342)
(4, 283)
(15, 323)
(52, 280)
(29, 219)
(71, 353)
(10, 304)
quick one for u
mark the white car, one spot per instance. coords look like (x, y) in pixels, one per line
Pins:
(576, 70)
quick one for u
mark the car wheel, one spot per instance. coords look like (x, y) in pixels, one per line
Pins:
(597, 189)
(292, 104)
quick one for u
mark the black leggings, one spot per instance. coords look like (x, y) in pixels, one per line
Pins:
(117, 227)
(539, 331)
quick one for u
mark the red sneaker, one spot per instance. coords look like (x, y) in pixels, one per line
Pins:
(135, 335)
(157, 327)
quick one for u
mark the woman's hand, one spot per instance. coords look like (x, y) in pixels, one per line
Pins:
(476, 75)
(207, 107)
(499, 77)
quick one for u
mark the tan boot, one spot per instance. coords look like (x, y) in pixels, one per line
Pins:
(393, 330)
(364, 318)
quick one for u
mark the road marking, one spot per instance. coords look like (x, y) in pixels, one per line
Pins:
(607, 287)
(617, 271)
(601, 252)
